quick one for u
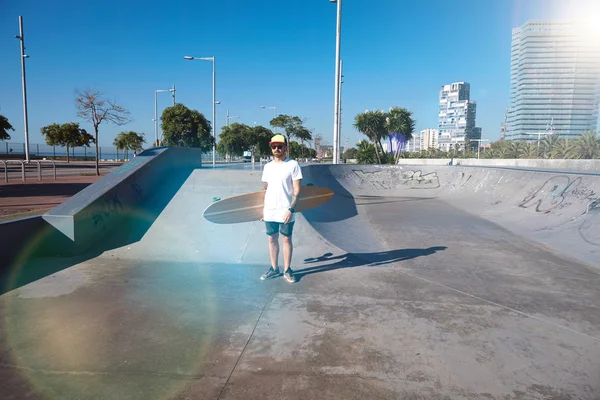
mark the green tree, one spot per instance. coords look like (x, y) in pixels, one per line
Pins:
(530, 151)
(548, 144)
(67, 135)
(588, 145)
(183, 127)
(234, 139)
(295, 150)
(258, 139)
(373, 125)
(305, 136)
(129, 140)
(366, 153)
(136, 141)
(515, 148)
(93, 107)
(292, 125)
(350, 154)
(399, 121)
(5, 126)
(563, 149)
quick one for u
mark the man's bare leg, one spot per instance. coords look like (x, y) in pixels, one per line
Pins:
(274, 249)
(288, 248)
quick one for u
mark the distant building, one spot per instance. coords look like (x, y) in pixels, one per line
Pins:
(554, 80)
(414, 144)
(456, 123)
(503, 125)
(429, 138)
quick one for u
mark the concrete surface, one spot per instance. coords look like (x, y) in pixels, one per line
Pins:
(412, 286)
(562, 164)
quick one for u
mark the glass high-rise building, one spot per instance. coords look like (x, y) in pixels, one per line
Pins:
(554, 80)
(456, 118)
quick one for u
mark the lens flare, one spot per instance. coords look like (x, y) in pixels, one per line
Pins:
(117, 323)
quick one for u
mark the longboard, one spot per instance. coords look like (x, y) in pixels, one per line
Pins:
(249, 207)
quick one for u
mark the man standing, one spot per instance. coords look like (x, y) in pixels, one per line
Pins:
(282, 178)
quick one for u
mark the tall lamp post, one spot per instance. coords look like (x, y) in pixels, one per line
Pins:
(478, 144)
(336, 119)
(21, 38)
(274, 113)
(156, 110)
(214, 103)
(230, 117)
(539, 135)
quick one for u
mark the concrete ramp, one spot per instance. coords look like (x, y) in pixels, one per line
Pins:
(560, 209)
(413, 283)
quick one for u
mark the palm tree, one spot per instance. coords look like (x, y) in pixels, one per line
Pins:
(588, 145)
(129, 141)
(120, 143)
(364, 155)
(5, 126)
(563, 149)
(373, 125)
(529, 151)
(515, 148)
(549, 143)
(399, 121)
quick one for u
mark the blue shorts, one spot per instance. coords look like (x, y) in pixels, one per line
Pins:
(274, 227)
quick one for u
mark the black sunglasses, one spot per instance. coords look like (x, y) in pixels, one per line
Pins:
(279, 146)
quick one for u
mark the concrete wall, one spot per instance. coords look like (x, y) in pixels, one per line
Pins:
(575, 165)
(559, 209)
(99, 208)
(115, 210)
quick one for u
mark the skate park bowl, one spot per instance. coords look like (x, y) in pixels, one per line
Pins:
(414, 281)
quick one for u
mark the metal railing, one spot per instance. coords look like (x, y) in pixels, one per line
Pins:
(23, 164)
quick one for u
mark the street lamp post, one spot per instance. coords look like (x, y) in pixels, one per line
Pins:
(479, 144)
(274, 113)
(336, 118)
(156, 110)
(21, 38)
(214, 102)
(228, 118)
(539, 134)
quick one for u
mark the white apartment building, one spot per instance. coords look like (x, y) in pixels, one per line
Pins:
(429, 138)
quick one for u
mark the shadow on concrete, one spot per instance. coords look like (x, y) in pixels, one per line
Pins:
(350, 260)
(42, 189)
(48, 251)
(340, 207)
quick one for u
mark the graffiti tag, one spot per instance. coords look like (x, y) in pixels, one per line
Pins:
(556, 193)
(394, 178)
(460, 179)
(107, 208)
(136, 190)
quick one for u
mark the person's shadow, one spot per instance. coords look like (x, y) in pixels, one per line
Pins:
(350, 260)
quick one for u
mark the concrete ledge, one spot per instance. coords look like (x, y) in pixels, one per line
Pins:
(566, 164)
(95, 211)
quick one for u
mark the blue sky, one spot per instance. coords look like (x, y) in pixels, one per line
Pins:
(395, 53)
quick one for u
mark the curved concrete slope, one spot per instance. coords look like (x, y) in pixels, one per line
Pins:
(414, 283)
(561, 209)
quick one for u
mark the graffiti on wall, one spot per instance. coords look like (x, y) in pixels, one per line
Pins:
(108, 207)
(389, 179)
(460, 179)
(136, 190)
(559, 192)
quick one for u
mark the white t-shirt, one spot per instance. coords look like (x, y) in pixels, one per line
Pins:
(280, 189)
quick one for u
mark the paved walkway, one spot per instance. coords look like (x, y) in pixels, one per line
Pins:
(33, 197)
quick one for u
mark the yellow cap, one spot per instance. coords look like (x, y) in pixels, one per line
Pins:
(278, 139)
